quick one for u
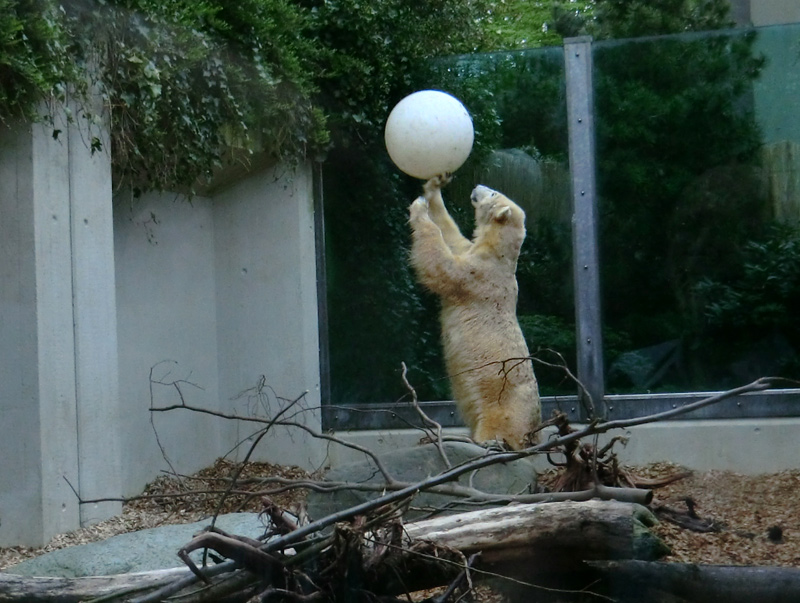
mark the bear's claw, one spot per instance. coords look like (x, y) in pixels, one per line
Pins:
(438, 182)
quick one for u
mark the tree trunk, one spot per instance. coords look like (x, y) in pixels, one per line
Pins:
(549, 537)
(532, 542)
(687, 582)
(567, 530)
(72, 590)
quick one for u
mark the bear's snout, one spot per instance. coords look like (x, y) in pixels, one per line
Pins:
(479, 193)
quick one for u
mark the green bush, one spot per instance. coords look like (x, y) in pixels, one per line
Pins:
(185, 81)
(764, 296)
(34, 61)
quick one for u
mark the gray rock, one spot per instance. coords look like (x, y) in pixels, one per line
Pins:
(415, 464)
(145, 550)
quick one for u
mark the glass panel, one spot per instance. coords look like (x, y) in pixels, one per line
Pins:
(378, 315)
(698, 171)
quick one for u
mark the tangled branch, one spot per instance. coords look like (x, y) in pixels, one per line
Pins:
(367, 533)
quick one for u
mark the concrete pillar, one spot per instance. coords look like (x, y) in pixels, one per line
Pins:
(94, 312)
(58, 367)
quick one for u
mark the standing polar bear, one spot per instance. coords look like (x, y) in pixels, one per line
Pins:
(485, 353)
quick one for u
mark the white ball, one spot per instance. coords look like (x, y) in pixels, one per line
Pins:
(429, 133)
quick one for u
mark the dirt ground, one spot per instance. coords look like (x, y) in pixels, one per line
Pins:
(758, 517)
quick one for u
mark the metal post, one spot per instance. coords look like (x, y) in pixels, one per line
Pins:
(322, 286)
(580, 116)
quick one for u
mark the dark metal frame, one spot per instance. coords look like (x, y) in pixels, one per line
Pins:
(772, 404)
(580, 113)
(585, 248)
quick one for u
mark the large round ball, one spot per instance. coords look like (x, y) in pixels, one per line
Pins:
(429, 133)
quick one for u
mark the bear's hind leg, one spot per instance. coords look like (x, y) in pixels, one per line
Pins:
(496, 433)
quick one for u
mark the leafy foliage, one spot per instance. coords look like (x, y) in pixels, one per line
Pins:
(522, 24)
(371, 51)
(764, 295)
(637, 18)
(677, 146)
(34, 63)
(378, 317)
(185, 81)
(668, 114)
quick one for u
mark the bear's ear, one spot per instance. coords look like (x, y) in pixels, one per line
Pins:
(503, 214)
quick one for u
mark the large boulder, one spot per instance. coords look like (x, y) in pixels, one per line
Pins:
(151, 549)
(417, 463)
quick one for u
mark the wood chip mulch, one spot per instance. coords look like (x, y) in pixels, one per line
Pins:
(198, 502)
(758, 518)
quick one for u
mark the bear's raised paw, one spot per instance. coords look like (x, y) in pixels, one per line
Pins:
(437, 182)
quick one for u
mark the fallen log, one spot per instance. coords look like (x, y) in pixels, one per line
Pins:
(540, 542)
(541, 536)
(581, 531)
(633, 580)
(71, 590)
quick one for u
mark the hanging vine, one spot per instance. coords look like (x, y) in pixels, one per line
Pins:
(184, 81)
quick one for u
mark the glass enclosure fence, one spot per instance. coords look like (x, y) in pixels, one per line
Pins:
(698, 176)
(698, 153)
(378, 316)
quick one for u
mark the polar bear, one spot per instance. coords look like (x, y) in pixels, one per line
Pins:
(486, 356)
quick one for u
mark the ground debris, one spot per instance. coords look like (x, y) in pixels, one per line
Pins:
(164, 510)
(748, 508)
(760, 514)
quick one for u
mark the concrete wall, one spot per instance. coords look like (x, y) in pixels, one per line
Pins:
(267, 308)
(765, 12)
(212, 295)
(159, 302)
(778, 86)
(58, 363)
(166, 314)
(774, 12)
(749, 446)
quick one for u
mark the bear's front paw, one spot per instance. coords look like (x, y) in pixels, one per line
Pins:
(418, 208)
(437, 182)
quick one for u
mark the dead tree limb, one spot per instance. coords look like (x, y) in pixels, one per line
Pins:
(427, 423)
(687, 582)
(244, 551)
(71, 590)
(397, 494)
(451, 474)
(417, 555)
(570, 530)
(398, 490)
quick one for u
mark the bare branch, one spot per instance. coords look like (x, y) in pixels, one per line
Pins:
(284, 423)
(426, 420)
(396, 494)
(255, 443)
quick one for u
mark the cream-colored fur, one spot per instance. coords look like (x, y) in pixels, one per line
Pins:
(485, 353)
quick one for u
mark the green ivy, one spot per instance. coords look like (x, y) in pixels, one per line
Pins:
(763, 296)
(186, 81)
(34, 62)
